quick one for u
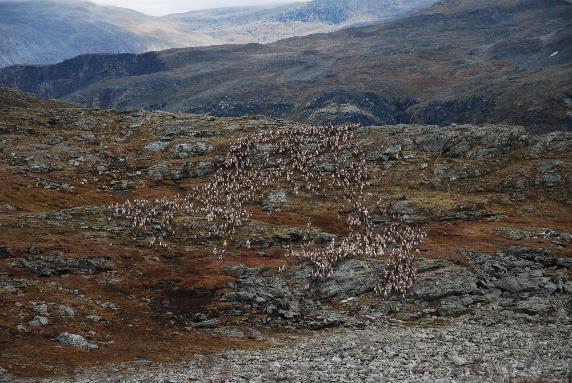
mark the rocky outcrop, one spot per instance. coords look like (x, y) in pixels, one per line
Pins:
(56, 264)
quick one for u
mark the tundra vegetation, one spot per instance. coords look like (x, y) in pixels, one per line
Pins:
(323, 163)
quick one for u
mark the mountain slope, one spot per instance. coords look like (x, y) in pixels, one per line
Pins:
(494, 200)
(49, 31)
(459, 61)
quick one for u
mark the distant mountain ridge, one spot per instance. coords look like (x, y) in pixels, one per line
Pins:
(49, 31)
(460, 61)
(351, 11)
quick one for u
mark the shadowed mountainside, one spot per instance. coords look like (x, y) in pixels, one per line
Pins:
(459, 61)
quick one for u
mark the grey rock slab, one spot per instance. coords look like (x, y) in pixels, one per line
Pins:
(352, 278)
(523, 282)
(57, 263)
(444, 282)
(533, 305)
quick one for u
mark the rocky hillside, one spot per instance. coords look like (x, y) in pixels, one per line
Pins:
(457, 62)
(49, 31)
(82, 288)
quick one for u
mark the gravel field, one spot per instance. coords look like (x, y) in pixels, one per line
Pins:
(469, 349)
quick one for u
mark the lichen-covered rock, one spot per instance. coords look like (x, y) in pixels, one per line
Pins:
(58, 264)
(550, 173)
(39, 321)
(203, 168)
(75, 340)
(190, 149)
(275, 200)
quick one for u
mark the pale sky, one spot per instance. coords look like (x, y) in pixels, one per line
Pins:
(163, 7)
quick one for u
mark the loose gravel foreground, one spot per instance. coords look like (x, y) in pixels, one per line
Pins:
(480, 348)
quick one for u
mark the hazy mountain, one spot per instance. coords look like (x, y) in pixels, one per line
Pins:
(49, 31)
(458, 61)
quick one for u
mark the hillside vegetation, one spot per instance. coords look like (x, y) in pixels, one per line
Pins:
(130, 236)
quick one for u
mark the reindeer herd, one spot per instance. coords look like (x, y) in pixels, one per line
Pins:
(322, 164)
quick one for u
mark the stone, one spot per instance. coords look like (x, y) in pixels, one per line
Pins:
(452, 307)
(159, 172)
(514, 234)
(202, 169)
(32, 250)
(7, 208)
(58, 264)
(533, 305)
(93, 318)
(199, 317)
(274, 200)
(550, 173)
(41, 167)
(352, 278)
(541, 257)
(6, 252)
(212, 323)
(443, 282)
(191, 149)
(523, 282)
(39, 321)
(158, 146)
(456, 359)
(109, 305)
(434, 144)
(75, 340)
(324, 238)
(66, 311)
(41, 309)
